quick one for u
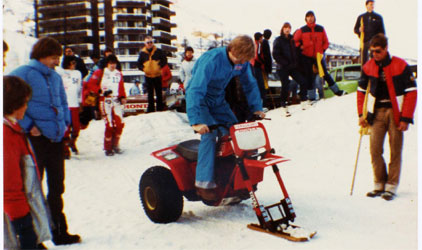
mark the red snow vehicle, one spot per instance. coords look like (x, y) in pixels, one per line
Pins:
(241, 158)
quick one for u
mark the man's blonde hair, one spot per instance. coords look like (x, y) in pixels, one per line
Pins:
(242, 47)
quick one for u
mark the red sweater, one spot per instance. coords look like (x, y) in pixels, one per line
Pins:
(16, 148)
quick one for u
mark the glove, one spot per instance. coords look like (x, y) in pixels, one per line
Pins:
(107, 93)
(90, 99)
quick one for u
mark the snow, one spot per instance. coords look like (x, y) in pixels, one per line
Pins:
(102, 201)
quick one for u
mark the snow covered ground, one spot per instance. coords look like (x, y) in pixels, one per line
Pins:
(102, 202)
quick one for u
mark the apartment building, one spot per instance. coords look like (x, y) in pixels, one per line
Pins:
(93, 25)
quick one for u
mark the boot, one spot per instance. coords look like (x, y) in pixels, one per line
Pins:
(60, 234)
(375, 193)
(72, 145)
(116, 147)
(388, 196)
(65, 238)
(285, 112)
(207, 194)
(109, 152)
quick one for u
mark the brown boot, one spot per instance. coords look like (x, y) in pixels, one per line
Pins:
(207, 194)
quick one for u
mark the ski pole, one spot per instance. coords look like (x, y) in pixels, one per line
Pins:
(356, 164)
(362, 131)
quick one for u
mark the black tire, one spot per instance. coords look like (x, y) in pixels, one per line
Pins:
(161, 198)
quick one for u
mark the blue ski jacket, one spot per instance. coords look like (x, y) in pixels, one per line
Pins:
(205, 94)
(47, 108)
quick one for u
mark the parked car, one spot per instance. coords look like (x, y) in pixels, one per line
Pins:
(346, 77)
(174, 98)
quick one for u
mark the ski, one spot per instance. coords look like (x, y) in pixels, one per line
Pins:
(291, 233)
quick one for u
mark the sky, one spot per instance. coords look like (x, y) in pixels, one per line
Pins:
(337, 16)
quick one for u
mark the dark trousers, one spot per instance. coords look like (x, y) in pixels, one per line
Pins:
(364, 53)
(285, 83)
(261, 85)
(25, 231)
(154, 84)
(50, 157)
(309, 63)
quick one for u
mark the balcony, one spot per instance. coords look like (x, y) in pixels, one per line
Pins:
(166, 47)
(71, 20)
(162, 9)
(128, 44)
(129, 30)
(163, 34)
(81, 33)
(130, 17)
(125, 4)
(63, 7)
(164, 22)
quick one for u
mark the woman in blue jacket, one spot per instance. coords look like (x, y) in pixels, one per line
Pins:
(206, 104)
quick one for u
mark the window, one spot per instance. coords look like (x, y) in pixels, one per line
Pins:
(102, 39)
(101, 24)
(352, 73)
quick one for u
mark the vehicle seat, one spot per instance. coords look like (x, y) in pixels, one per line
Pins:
(189, 149)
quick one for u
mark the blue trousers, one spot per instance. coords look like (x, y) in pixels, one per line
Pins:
(206, 153)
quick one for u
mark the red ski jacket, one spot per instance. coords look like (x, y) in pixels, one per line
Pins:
(401, 88)
(312, 39)
(16, 152)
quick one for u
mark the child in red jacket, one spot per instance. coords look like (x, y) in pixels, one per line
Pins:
(108, 83)
(24, 202)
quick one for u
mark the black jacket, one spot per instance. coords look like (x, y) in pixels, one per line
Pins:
(268, 60)
(372, 25)
(285, 52)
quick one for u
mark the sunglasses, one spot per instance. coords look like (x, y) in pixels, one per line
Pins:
(149, 42)
(377, 51)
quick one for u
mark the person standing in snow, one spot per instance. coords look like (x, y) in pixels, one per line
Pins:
(72, 82)
(187, 66)
(165, 77)
(391, 104)
(372, 25)
(108, 83)
(151, 60)
(24, 201)
(80, 64)
(266, 52)
(206, 104)
(313, 40)
(46, 121)
(258, 66)
(285, 54)
(102, 62)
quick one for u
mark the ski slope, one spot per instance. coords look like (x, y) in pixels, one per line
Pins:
(102, 202)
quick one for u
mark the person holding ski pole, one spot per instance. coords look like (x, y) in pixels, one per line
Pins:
(313, 42)
(391, 103)
(368, 25)
(206, 104)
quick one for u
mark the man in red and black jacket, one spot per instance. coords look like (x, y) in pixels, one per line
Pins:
(391, 104)
(312, 39)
